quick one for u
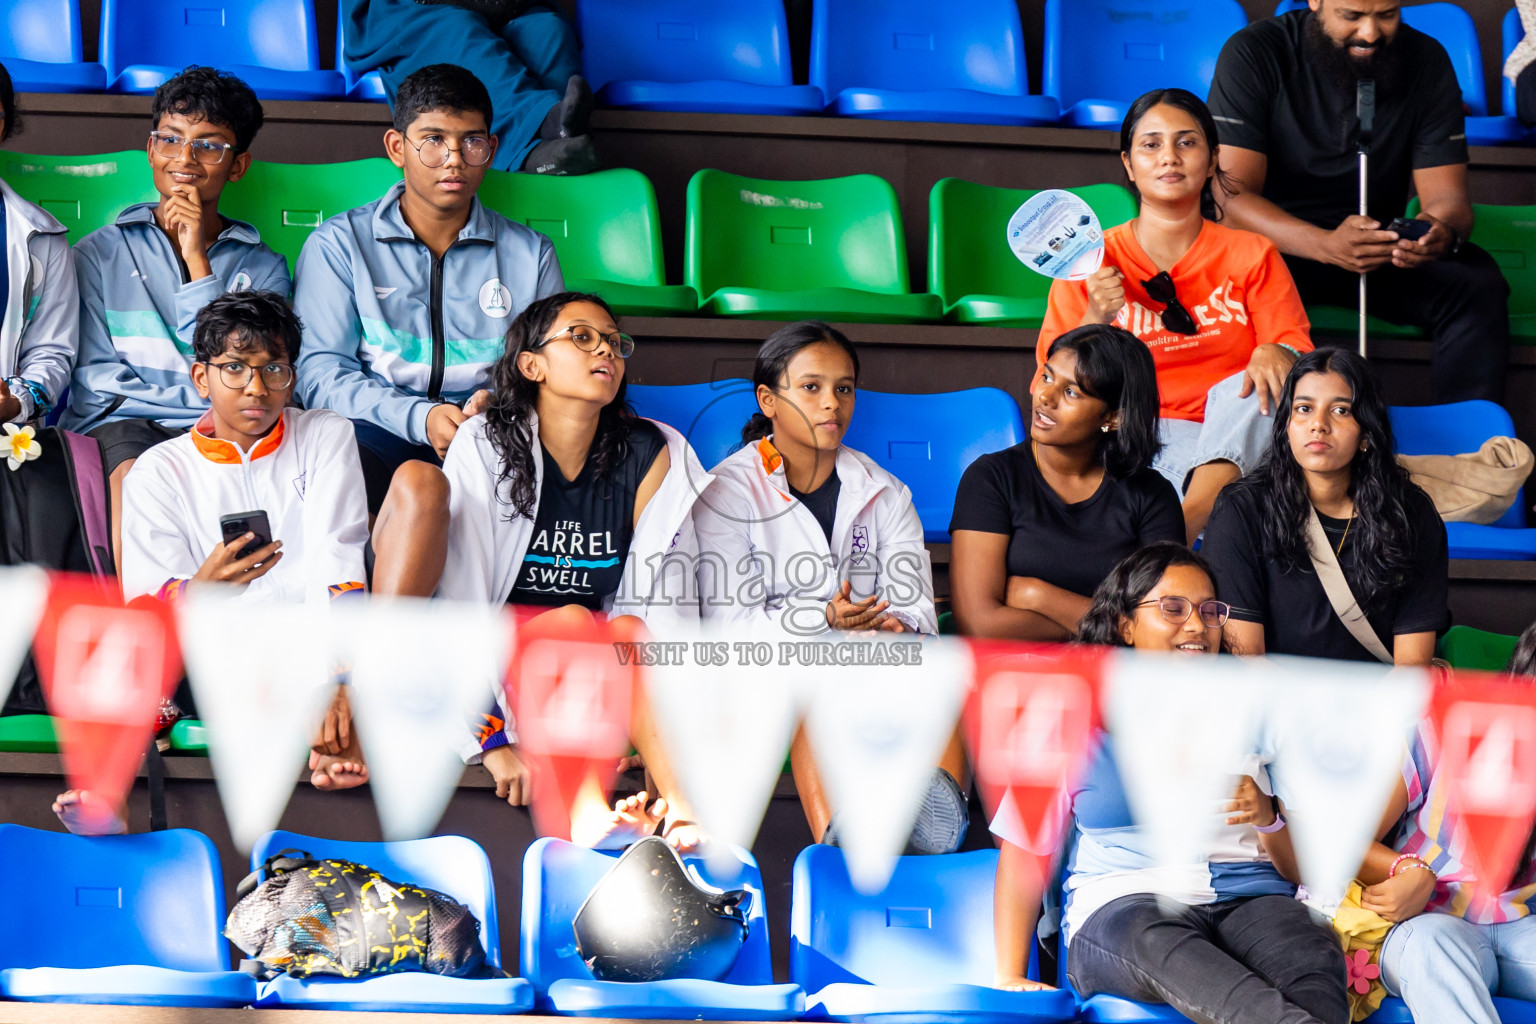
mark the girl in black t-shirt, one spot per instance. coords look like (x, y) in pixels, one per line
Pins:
(1038, 526)
(1332, 458)
(561, 498)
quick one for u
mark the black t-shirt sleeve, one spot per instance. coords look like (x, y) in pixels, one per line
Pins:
(1163, 516)
(1440, 136)
(1424, 605)
(1244, 88)
(645, 443)
(1235, 551)
(984, 499)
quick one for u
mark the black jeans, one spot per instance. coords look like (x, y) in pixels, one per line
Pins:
(1463, 303)
(1262, 960)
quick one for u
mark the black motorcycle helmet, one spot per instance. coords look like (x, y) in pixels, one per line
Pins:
(648, 919)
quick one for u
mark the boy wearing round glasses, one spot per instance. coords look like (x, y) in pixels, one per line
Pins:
(405, 300)
(144, 277)
(250, 451)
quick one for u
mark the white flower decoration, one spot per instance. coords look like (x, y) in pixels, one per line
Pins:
(23, 445)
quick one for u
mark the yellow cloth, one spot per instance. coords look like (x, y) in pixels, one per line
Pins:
(1358, 929)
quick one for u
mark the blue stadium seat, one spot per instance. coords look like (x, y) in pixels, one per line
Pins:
(1453, 27)
(927, 441)
(1513, 32)
(127, 920)
(700, 55)
(1511, 1011)
(41, 47)
(913, 60)
(1453, 430)
(367, 87)
(557, 876)
(1102, 54)
(452, 865)
(920, 950)
(709, 415)
(273, 45)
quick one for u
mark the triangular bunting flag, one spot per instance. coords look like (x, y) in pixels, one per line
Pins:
(423, 672)
(1486, 727)
(23, 593)
(1029, 725)
(726, 731)
(104, 668)
(261, 711)
(877, 732)
(1181, 729)
(1336, 735)
(572, 686)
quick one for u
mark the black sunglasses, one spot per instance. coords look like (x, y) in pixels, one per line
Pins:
(1175, 316)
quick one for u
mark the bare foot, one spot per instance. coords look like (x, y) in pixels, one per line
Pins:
(328, 772)
(629, 821)
(88, 815)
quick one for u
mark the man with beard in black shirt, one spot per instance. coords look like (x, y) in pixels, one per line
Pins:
(1284, 99)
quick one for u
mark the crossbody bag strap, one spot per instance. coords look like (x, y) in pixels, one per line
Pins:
(1326, 564)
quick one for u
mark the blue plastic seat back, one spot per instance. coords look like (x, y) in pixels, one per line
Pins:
(44, 30)
(931, 926)
(155, 899)
(684, 41)
(1119, 49)
(558, 876)
(928, 441)
(1513, 32)
(1455, 429)
(1453, 27)
(453, 865)
(917, 45)
(279, 34)
(709, 415)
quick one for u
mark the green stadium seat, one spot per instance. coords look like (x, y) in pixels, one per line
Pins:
(947, 626)
(788, 250)
(189, 737)
(1465, 647)
(1338, 320)
(286, 202)
(1508, 233)
(969, 263)
(83, 192)
(606, 230)
(29, 734)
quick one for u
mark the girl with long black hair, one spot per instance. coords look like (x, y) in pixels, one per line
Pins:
(1220, 939)
(1331, 474)
(802, 535)
(562, 498)
(1037, 527)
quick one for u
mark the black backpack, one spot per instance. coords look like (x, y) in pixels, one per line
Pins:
(334, 917)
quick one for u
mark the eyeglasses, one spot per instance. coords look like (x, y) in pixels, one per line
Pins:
(205, 151)
(586, 339)
(1175, 316)
(1177, 610)
(433, 151)
(274, 376)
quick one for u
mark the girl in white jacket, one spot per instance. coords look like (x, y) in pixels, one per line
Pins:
(804, 537)
(40, 325)
(562, 498)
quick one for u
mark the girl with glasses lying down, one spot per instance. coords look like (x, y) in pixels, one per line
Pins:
(1215, 305)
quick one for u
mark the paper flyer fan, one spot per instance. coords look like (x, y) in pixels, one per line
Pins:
(1056, 234)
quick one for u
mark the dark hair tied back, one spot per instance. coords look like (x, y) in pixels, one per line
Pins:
(773, 359)
(1116, 368)
(1195, 107)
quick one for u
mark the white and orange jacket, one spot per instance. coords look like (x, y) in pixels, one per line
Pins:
(766, 565)
(305, 475)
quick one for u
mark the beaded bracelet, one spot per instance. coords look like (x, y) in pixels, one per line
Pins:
(1414, 861)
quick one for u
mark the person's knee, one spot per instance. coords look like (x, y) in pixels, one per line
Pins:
(1428, 943)
(419, 489)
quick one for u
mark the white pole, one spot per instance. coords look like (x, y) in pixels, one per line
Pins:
(1364, 161)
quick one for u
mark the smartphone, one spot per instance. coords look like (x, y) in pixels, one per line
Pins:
(238, 524)
(1413, 230)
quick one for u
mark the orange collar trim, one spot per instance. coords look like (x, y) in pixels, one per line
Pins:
(224, 453)
(771, 460)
